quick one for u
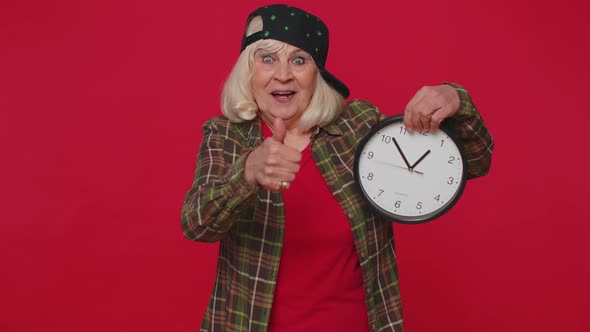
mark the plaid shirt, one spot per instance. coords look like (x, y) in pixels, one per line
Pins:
(249, 222)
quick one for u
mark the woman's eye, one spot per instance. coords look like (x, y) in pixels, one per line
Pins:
(299, 60)
(267, 59)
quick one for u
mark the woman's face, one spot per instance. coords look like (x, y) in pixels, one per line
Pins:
(283, 83)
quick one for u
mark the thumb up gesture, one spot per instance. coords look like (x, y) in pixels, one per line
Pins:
(273, 164)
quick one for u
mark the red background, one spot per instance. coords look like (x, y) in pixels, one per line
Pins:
(101, 107)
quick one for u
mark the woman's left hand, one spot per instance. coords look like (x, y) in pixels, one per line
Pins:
(430, 106)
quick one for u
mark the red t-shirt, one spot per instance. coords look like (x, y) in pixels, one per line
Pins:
(320, 283)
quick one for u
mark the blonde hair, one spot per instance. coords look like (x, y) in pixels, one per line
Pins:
(237, 101)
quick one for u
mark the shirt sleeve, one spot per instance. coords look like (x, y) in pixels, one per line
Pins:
(470, 128)
(219, 192)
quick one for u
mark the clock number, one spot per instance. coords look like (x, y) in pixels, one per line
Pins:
(451, 179)
(437, 198)
(402, 130)
(386, 139)
(424, 133)
(398, 204)
(370, 177)
(419, 206)
(370, 155)
(451, 159)
(442, 141)
(381, 191)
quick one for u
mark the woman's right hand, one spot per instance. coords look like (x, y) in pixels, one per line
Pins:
(273, 161)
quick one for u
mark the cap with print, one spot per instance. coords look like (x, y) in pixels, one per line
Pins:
(298, 28)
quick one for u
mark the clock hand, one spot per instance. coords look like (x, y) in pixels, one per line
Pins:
(400, 152)
(398, 166)
(419, 160)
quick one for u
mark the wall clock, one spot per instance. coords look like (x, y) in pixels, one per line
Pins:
(410, 177)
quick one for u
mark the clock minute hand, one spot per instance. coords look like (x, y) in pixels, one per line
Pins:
(401, 153)
(419, 160)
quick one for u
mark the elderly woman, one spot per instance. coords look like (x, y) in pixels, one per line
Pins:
(299, 249)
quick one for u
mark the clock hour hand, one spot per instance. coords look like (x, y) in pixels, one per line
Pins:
(401, 153)
(419, 160)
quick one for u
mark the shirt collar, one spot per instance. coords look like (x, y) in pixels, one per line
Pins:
(332, 128)
(249, 130)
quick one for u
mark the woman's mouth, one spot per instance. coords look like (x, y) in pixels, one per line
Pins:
(283, 96)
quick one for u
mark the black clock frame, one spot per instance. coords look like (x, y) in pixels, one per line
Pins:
(404, 219)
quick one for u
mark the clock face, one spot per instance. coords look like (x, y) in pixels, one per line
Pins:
(409, 177)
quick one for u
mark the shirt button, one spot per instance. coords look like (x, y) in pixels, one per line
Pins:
(363, 254)
(350, 215)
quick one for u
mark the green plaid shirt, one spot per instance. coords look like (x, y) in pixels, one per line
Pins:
(249, 222)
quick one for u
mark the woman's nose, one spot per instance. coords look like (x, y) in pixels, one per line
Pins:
(283, 72)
